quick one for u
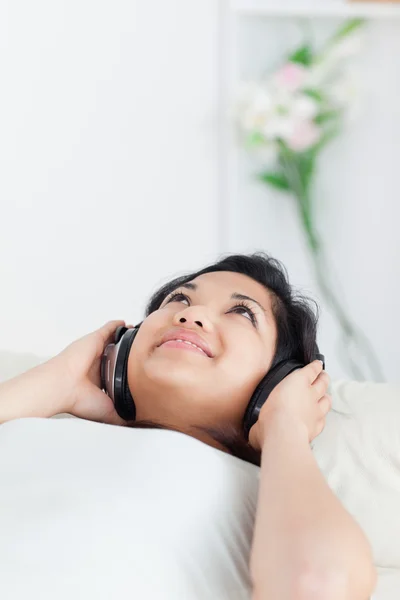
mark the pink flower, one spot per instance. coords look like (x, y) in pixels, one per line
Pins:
(305, 134)
(291, 77)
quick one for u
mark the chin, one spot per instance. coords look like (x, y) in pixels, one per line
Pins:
(173, 372)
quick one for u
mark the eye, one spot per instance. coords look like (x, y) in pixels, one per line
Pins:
(175, 295)
(243, 307)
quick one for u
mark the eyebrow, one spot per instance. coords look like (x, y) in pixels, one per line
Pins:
(234, 296)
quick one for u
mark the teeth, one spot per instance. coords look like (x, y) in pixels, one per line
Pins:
(186, 342)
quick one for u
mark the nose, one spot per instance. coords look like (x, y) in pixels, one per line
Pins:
(193, 315)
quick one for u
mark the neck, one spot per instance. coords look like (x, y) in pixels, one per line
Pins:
(205, 437)
(191, 431)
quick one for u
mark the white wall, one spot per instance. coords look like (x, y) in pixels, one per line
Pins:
(108, 153)
(356, 192)
(110, 180)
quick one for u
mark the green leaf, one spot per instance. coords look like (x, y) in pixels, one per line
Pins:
(314, 94)
(302, 56)
(349, 26)
(329, 115)
(277, 180)
(346, 29)
(255, 139)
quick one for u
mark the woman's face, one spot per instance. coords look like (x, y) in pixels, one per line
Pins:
(176, 385)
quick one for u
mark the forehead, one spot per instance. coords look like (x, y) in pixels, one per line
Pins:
(225, 283)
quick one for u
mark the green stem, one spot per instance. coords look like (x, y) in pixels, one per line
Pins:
(350, 333)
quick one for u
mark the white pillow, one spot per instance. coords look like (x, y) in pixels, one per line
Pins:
(359, 454)
(89, 510)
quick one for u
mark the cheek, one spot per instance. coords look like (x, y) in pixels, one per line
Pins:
(142, 349)
(241, 364)
(245, 361)
(144, 342)
(245, 350)
(237, 374)
(150, 331)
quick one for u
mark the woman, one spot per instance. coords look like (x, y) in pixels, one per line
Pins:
(247, 319)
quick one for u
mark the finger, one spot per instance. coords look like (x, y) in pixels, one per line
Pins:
(312, 370)
(252, 437)
(321, 384)
(325, 404)
(113, 418)
(320, 427)
(109, 329)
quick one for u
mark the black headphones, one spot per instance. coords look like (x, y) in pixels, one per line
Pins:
(114, 378)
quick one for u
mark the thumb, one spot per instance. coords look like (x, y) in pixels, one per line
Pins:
(312, 370)
(113, 418)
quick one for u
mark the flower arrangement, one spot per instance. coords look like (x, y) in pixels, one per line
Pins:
(288, 118)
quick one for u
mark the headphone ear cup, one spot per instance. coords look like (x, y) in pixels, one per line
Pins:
(123, 401)
(264, 389)
(119, 332)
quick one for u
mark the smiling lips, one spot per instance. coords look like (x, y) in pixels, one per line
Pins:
(183, 339)
(181, 344)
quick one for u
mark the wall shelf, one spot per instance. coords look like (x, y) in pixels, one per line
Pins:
(316, 8)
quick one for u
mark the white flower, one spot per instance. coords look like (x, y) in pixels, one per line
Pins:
(278, 127)
(304, 107)
(278, 114)
(254, 107)
(278, 108)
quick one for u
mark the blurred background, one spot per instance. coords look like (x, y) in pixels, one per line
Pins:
(120, 167)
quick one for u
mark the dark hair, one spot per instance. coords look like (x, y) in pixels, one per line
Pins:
(295, 319)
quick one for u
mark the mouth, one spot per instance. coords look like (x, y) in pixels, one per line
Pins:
(182, 345)
(186, 340)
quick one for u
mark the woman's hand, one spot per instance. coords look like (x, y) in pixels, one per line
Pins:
(79, 365)
(300, 397)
